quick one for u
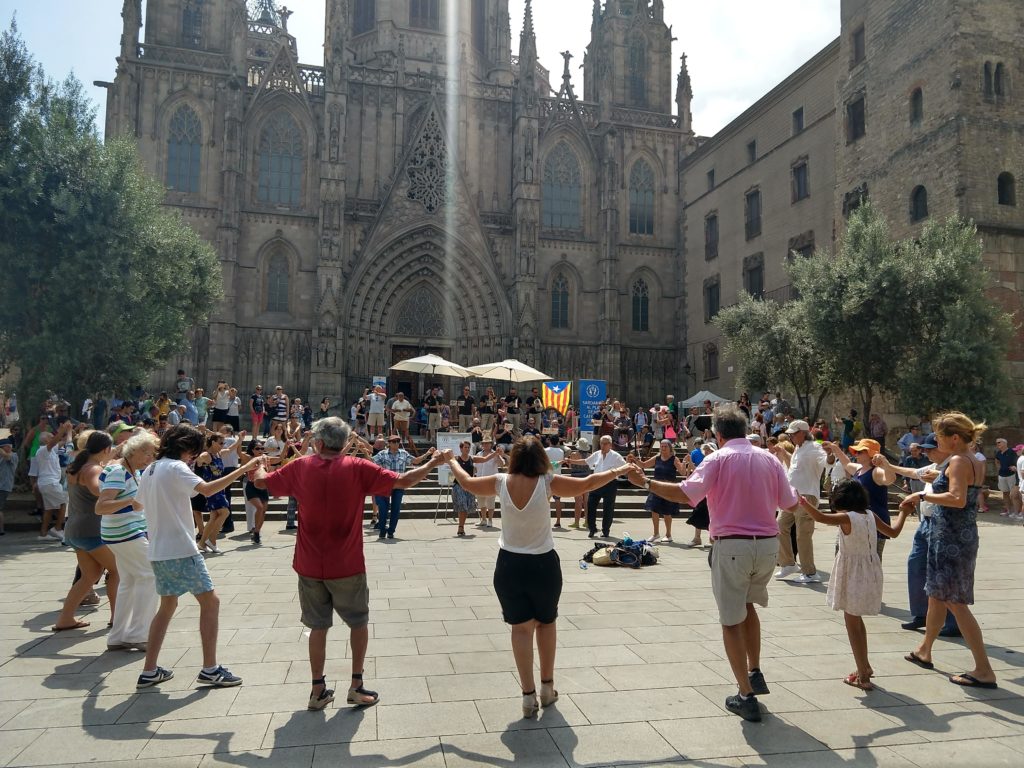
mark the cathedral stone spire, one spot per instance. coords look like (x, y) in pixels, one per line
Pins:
(684, 95)
(528, 38)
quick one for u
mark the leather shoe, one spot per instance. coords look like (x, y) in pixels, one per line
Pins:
(914, 623)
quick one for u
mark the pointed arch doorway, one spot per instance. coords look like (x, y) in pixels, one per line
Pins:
(422, 327)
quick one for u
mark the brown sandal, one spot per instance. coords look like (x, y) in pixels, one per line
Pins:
(856, 681)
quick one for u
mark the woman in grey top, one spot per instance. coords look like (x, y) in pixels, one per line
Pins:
(82, 528)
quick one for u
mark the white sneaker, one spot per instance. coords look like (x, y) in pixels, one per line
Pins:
(807, 578)
(53, 533)
(665, 540)
(786, 570)
(44, 537)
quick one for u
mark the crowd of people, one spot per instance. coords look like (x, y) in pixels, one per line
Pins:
(144, 501)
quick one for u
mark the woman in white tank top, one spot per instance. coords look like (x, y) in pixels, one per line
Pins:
(528, 576)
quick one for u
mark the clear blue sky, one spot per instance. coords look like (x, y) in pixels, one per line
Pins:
(737, 50)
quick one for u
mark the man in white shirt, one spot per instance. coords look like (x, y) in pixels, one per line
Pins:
(47, 467)
(375, 421)
(804, 470)
(164, 492)
(604, 459)
(401, 413)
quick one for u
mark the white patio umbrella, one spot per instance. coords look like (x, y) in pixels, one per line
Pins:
(435, 365)
(511, 370)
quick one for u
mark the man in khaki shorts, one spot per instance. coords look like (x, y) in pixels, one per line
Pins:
(744, 486)
(375, 418)
(330, 488)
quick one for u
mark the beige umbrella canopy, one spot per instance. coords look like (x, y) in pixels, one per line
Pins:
(435, 365)
(510, 370)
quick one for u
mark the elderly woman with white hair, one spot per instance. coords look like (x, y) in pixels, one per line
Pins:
(123, 529)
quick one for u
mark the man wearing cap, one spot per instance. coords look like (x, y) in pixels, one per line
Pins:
(1006, 477)
(803, 469)
(875, 476)
(917, 561)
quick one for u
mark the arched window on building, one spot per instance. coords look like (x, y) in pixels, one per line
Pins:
(184, 148)
(987, 80)
(192, 24)
(999, 84)
(479, 25)
(364, 16)
(641, 306)
(916, 106)
(919, 204)
(424, 14)
(281, 158)
(278, 279)
(637, 77)
(560, 302)
(641, 199)
(1007, 189)
(562, 189)
(710, 361)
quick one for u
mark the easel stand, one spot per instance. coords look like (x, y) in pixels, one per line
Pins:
(445, 504)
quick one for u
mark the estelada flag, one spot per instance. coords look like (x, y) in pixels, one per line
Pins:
(556, 395)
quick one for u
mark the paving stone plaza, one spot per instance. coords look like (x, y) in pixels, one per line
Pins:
(640, 668)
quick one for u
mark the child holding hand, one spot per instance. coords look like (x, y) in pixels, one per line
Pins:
(855, 587)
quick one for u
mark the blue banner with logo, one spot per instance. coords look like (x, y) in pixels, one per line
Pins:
(592, 393)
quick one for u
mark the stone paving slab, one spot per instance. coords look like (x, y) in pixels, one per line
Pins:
(641, 669)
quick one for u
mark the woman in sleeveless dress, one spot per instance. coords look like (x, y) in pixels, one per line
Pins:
(953, 546)
(667, 469)
(528, 576)
(210, 467)
(464, 501)
(82, 529)
(855, 586)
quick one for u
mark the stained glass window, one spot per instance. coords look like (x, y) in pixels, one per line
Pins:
(562, 189)
(184, 148)
(641, 199)
(281, 159)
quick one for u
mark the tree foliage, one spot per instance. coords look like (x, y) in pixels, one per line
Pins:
(775, 351)
(910, 319)
(102, 282)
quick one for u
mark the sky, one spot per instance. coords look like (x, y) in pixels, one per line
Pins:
(736, 51)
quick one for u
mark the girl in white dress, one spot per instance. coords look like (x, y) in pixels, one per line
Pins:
(855, 586)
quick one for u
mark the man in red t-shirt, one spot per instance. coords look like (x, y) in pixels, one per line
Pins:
(331, 490)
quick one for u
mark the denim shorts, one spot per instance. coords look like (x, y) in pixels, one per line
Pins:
(186, 574)
(84, 543)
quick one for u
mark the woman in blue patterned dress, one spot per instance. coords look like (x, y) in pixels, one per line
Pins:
(953, 546)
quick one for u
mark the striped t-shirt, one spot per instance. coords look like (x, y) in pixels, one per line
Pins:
(125, 524)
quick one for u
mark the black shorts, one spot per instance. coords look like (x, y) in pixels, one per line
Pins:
(528, 586)
(198, 503)
(220, 415)
(234, 422)
(252, 492)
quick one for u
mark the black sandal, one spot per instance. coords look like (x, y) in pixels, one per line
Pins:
(361, 691)
(461, 532)
(318, 701)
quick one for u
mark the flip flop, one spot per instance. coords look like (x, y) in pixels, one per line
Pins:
(913, 658)
(853, 679)
(967, 680)
(76, 625)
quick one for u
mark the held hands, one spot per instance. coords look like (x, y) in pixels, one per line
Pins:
(636, 475)
(909, 502)
(878, 460)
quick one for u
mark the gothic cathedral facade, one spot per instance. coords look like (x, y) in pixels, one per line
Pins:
(426, 189)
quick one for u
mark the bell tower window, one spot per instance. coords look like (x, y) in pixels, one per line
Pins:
(192, 24)
(364, 16)
(424, 14)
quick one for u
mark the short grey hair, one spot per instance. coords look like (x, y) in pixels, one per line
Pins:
(605, 439)
(138, 441)
(730, 422)
(332, 433)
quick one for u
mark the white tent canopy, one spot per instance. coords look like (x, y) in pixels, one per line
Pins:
(698, 399)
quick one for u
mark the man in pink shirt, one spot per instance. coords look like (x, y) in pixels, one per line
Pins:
(744, 486)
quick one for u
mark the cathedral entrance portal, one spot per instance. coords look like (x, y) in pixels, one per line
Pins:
(415, 385)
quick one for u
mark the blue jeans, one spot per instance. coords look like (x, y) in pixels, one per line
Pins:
(917, 568)
(292, 512)
(389, 504)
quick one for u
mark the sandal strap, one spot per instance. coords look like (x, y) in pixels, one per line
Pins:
(530, 693)
(321, 681)
(546, 682)
(357, 677)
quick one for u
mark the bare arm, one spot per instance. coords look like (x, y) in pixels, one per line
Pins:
(562, 485)
(481, 486)
(892, 531)
(415, 476)
(424, 457)
(842, 519)
(669, 491)
(959, 475)
(208, 489)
